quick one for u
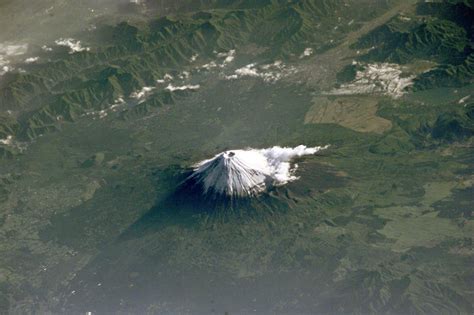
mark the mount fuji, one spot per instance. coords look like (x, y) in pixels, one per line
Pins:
(249, 172)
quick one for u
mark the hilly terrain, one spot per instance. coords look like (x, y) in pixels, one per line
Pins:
(102, 121)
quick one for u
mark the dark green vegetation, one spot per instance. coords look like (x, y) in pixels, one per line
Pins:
(440, 32)
(381, 222)
(134, 56)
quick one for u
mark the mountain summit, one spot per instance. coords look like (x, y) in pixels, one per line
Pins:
(245, 173)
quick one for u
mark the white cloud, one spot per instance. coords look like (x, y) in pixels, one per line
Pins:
(73, 45)
(173, 88)
(184, 75)
(307, 52)
(228, 57)
(210, 65)
(46, 48)
(13, 49)
(10, 141)
(268, 72)
(381, 78)
(118, 104)
(223, 59)
(31, 59)
(7, 141)
(465, 98)
(141, 95)
(4, 69)
(7, 53)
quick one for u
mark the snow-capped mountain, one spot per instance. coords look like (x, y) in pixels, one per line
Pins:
(244, 173)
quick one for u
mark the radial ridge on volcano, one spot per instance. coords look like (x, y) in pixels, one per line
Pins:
(245, 173)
